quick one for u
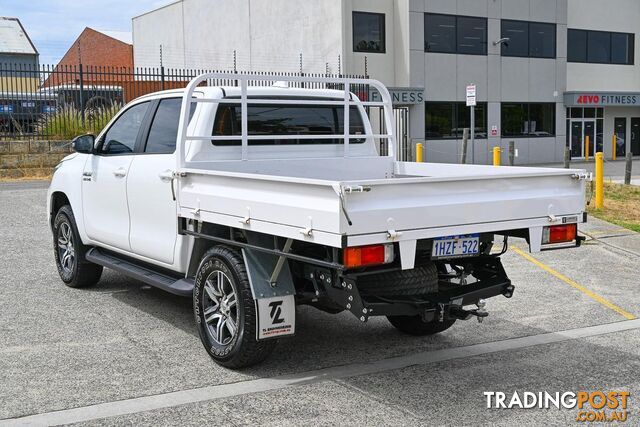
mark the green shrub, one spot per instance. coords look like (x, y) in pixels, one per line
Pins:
(66, 122)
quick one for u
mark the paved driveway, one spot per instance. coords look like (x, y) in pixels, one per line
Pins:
(123, 352)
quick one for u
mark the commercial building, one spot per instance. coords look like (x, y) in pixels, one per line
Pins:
(549, 74)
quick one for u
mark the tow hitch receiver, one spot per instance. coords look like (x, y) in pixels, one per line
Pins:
(462, 314)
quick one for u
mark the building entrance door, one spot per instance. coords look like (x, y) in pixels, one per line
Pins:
(620, 128)
(404, 150)
(582, 129)
(635, 136)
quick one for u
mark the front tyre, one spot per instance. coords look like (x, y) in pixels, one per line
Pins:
(69, 252)
(225, 311)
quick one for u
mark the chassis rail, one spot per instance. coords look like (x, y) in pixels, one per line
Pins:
(182, 229)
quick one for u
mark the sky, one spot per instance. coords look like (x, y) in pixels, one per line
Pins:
(53, 25)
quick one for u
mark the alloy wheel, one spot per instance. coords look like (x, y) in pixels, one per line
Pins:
(220, 307)
(66, 251)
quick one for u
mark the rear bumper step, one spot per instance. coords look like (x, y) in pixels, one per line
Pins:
(182, 287)
(444, 300)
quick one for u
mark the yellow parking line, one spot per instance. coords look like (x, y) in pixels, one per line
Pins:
(575, 285)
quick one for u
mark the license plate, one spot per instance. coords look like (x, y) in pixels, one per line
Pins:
(455, 246)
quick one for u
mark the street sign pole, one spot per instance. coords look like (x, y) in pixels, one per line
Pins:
(471, 102)
(473, 131)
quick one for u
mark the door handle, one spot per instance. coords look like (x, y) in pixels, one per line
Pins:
(120, 173)
(166, 175)
(169, 176)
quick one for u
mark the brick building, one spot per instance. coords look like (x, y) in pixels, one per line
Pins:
(98, 51)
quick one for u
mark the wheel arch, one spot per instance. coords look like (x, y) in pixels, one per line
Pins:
(201, 246)
(58, 200)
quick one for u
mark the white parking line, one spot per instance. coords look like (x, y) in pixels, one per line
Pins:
(167, 400)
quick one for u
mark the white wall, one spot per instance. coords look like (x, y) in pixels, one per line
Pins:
(162, 27)
(611, 15)
(267, 35)
(282, 29)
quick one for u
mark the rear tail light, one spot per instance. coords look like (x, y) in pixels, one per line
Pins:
(559, 233)
(361, 256)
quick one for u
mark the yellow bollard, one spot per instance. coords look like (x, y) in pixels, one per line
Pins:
(496, 156)
(614, 143)
(586, 146)
(599, 181)
(419, 152)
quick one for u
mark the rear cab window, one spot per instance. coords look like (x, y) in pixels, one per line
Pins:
(284, 119)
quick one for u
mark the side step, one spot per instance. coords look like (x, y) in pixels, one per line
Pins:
(182, 287)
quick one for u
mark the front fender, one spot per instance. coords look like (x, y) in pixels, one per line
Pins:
(67, 179)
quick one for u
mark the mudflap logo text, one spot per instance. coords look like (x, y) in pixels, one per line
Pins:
(276, 312)
(592, 406)
(276, 316)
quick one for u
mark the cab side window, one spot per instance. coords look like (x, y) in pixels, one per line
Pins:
(122, 135)
(164, 129)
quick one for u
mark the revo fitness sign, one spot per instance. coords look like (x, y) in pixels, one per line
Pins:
(601, 99)
(400, 95)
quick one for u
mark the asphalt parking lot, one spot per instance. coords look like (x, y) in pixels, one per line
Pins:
(125, 353)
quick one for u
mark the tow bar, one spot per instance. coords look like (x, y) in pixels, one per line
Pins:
(462, 314)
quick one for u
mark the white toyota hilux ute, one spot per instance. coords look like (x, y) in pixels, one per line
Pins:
(253, 197)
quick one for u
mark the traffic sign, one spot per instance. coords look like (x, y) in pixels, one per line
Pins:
(471, 95)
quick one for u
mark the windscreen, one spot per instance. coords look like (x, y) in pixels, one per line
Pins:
(282, 119)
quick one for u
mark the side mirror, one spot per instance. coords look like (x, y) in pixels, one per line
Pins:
(83, 143)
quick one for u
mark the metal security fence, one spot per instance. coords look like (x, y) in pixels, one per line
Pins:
(60, 102)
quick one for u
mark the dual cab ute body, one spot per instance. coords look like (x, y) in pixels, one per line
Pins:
(279, 194)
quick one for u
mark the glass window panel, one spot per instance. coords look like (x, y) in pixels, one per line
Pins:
(542, 40)
(576, 113)
(576, 139)
(164, 129)
(599, 135)
(599, 47)
(439, 120)
(463, 119)
(287, 120)
(599, 112)
(440, 33)
(471, 35)
(576, 46)
(122, 135)
(518, 34)
(514, 119)
(542, 119)
(368, 32)
(589, 136)
(589, 113)
(621, 47)
(620, 129)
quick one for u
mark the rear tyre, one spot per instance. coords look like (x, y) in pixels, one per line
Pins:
(415, 325)
(225, 311)
(69, 252)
